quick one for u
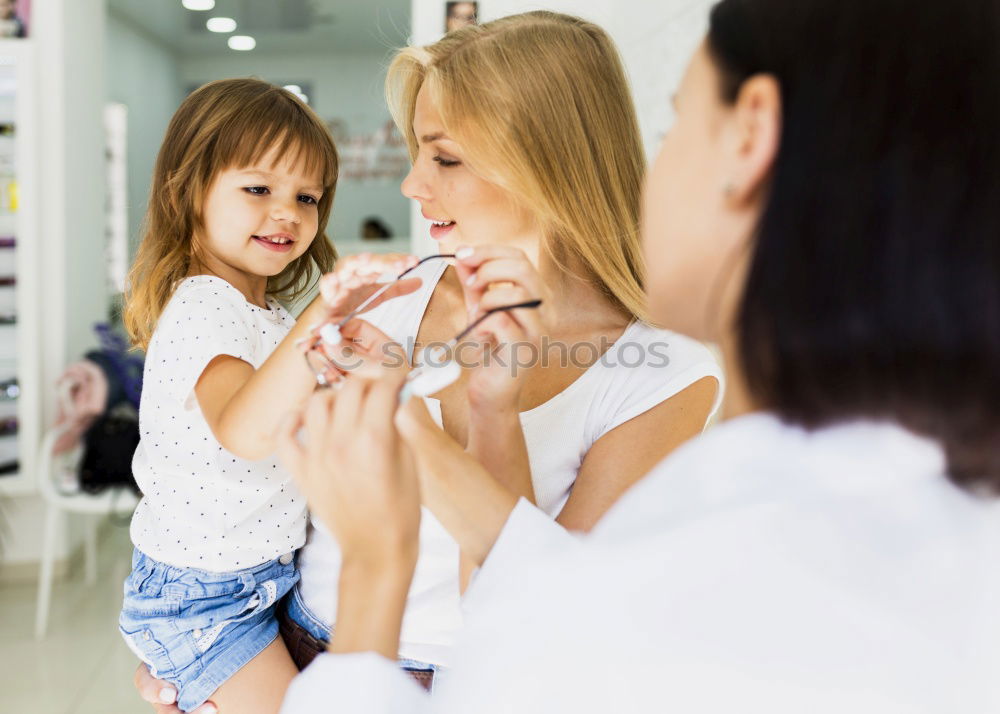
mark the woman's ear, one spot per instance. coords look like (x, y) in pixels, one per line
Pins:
(756, 117)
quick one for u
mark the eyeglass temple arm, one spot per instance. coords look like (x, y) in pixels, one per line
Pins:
(374, 296)
(530, 304)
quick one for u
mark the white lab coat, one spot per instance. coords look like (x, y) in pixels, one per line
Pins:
(759, 568)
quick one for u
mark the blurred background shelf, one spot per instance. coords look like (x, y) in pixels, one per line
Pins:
(20, 329)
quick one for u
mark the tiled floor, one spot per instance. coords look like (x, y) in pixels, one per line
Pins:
(83, 666)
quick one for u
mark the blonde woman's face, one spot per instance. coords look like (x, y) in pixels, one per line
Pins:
(465, 208)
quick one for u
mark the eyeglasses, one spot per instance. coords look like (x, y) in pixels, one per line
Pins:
(429, 376)
(436, 371)
(330, 333)
(319, 363)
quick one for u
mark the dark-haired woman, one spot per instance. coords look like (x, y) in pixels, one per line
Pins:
(827, 208)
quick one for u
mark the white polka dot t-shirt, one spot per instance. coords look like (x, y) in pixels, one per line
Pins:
(202, 506)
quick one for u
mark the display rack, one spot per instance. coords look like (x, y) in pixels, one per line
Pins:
(20, 404)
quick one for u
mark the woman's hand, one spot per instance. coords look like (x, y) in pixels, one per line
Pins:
(360, 480)
(356, 473)
(162, 695)
(492, 277)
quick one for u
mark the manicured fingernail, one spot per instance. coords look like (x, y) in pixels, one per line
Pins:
(471, 280)
(465, 252)
(167, 695)
(330, 334)
(208, 709)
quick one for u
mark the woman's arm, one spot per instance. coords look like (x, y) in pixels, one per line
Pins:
(630, 451)
(470, 503)
(356, 472)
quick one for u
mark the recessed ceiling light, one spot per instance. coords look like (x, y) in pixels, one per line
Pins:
(198, 4)
(242, 42)
(221, 24)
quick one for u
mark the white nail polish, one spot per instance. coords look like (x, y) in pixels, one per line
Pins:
(330, 334)
(463, 253)
(471, 280)
(167, 695)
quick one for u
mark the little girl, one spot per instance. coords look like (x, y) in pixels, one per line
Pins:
(241, 193)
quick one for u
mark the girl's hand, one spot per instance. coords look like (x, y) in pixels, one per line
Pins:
(356, 473)
(162, 695)
(356, 279)
(495, 276)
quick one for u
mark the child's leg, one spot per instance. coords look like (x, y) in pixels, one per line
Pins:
(259, 686)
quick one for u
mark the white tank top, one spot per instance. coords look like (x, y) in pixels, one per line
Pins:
(644, 367)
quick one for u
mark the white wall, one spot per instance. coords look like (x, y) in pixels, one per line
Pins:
(349, 87)
(142, 74)
(655, 38)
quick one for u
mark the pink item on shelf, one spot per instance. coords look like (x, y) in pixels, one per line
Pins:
(83, 396)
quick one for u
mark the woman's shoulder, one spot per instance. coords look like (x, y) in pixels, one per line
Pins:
(648, 357)
(643, 368)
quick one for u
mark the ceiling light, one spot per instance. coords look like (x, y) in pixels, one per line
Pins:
(221, 24)
(242, 42)
(198, 4)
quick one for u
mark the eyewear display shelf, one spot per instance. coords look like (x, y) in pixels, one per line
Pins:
(20, 405)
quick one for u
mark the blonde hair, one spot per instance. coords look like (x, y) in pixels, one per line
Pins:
(541, 104)
(224, 124)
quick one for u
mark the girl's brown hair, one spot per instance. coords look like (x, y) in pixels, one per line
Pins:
(541, 104)
(224, 124)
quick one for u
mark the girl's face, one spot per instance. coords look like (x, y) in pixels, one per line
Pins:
(466, 209)
(702, 200)
(258, 219)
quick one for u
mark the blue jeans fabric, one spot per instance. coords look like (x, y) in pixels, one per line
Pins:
(195, 628)
(305, 619)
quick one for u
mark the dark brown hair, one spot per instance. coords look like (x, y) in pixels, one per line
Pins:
(874, 287)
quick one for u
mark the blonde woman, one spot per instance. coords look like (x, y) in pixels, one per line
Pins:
(526, 155)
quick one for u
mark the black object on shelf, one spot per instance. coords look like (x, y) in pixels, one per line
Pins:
(9, 467)
(7, 280)
(8, 426)
(8, 319)
(8, 242)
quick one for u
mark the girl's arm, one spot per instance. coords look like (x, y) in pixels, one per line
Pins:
(243, 406)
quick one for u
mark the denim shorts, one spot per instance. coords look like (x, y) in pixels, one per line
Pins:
(304, 618)
(194, 628)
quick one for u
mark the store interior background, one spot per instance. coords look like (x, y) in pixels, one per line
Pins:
(88, 63)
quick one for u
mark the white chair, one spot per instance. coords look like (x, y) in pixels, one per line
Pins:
(61, 469)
